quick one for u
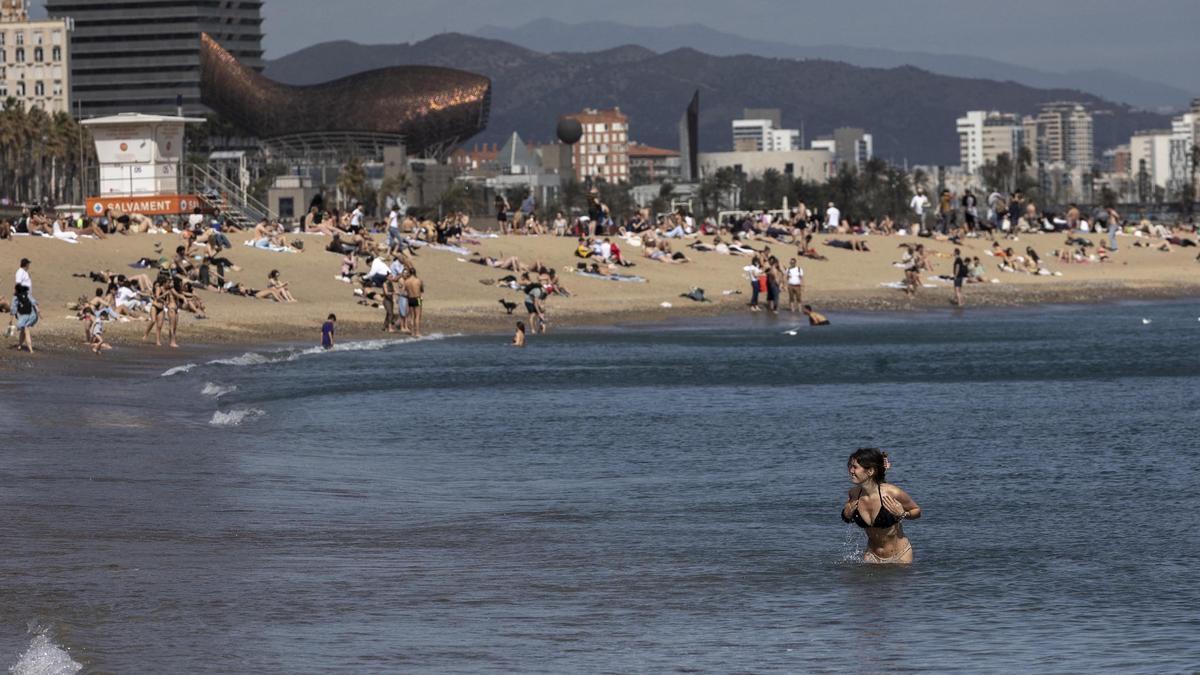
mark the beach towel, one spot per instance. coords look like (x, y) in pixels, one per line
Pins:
(899, 285)
(452, 249)
(275, 249)
(611, 277)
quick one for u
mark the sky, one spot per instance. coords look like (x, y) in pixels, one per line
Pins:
(1153, 39)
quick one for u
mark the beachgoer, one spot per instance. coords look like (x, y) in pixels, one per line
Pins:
(795, 285)
(879, 514)
(519, 335)
(961, 272)
(814, 318)
(22, 277)
(25, 312)
(390, 293)
(414, 288)
(327, 330)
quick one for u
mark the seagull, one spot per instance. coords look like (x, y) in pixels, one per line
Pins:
(1145, 322)
(508, 306)
(791, 332)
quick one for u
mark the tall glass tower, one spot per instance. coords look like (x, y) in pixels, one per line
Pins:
(144, 55)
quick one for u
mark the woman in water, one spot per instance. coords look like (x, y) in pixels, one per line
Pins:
(878, 511)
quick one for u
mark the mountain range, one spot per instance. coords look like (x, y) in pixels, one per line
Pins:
(548, 35)
(910, 112)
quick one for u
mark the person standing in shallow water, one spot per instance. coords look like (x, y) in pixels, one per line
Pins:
(879, 508)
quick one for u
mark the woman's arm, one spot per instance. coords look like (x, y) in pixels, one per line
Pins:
(900, 504)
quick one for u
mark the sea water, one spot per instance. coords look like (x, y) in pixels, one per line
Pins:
(632, 499)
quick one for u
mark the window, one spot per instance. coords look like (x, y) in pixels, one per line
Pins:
(20, 55)
(56, 54)
(58, 88)
(39, 88)
(20, 39)
(2, 34)
(37, 38)
(789, 168)
(3, 54)
(56, 37)
(3, 89)
(287, 207)
(38, 54)
(21, 89)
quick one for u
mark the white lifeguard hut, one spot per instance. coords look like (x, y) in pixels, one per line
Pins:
(141, 158)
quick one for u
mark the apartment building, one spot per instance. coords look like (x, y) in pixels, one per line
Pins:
(603, 150)
(35, 62)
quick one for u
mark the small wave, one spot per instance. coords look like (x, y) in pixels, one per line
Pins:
(179, 369)
(257, 359)
(235, 417)
(216, 390)
(45, 658)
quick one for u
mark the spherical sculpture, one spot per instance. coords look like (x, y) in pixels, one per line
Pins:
(569, 130)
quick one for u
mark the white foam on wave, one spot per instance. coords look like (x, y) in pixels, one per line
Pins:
(217, 391)
(179, 369)
(257, 359)
(235, 417)
(45, 658)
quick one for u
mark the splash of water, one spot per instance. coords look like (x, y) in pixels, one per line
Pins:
(217, 391)
(256, 358)
(45, 658)
(179, 369)
(235, 417)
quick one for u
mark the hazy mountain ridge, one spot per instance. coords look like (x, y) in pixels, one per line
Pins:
(911, 112)
(548, 35)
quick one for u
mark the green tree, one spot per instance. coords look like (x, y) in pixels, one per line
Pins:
(352, 182)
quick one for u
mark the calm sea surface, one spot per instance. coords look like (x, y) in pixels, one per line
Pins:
(659, 499)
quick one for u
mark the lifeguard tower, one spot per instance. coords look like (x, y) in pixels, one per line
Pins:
(141, 161)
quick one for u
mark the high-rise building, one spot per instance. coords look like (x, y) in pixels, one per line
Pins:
(1150, 160)
(143, 55)
(1185, 136)
(34, 59)
(603, 151)
(759, 131)
(1065, 135)
(983, 136)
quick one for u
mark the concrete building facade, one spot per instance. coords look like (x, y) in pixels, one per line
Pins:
(850, 146)
(1065, 135)
(814, 165)
(1185, 135)
(654, 165)
(983, 136)
(140, 55)
(1150, 158)
(759, 131)
(603, 151)
(35, 62)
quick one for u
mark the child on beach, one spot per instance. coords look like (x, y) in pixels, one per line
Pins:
(96, 336)
(327, 330)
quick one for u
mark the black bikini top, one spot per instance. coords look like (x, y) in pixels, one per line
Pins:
(884, 518)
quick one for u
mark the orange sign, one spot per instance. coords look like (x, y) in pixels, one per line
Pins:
(158, 205)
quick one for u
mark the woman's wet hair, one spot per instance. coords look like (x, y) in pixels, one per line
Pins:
(871, 458)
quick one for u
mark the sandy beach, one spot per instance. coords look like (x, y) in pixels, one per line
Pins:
(458, 303)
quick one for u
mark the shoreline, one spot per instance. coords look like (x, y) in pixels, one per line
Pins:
(457, 302)
(69, 355)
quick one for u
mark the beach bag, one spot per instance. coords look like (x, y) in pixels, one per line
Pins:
(24, 305)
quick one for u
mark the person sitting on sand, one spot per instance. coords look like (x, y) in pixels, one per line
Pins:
(975, 272)
(276, 289)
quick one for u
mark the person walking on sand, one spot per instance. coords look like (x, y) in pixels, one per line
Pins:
(833, 218)
(961, 272)
(327, 330)
(25, 312)
(414, 288)
(919, 204)
(878, 511)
